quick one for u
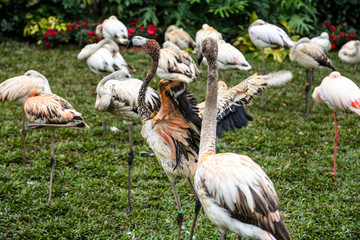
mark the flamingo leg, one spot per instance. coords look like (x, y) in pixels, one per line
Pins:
(130, 162)
(353, 70)
(335, 145)
(103, 120)
(307, 90)
(264, 72)
(239, 238)
(52, 161)
(180, 215)
(223, 75)
(197, 209)
(23, 132)
(223, 236)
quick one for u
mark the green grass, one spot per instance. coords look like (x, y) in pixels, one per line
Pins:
(90, 178)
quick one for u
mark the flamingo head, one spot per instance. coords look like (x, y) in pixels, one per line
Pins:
(150, 46)
(335, 74)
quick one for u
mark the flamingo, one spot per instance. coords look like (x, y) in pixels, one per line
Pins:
(179, 37)
(204, 32)
(103, 57)
(229, 58)
(117, 93)
(176, 64)
(113, 29)
(310, 55)
(323, 40)
(16, 89)
(50, 111)
(234, 191)
(265, 35)
(339, 93)
(173, 132)
(350, 53)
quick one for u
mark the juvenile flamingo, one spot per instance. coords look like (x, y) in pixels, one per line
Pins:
(350, 53)
(310, 55)
(179, 37)
(234, 191)
(50, 111)
(117, 93)
(339, 93)
(173, 132)
(16, 89)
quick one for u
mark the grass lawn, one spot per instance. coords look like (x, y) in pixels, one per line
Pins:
(90, 178)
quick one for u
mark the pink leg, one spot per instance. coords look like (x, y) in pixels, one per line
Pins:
(336, 140)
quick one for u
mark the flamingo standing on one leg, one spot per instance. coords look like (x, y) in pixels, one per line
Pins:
(50, 111)
(117, 93)
(310, 55)
(339, 93)
(235, 192)
(16, 89)
(265, 35)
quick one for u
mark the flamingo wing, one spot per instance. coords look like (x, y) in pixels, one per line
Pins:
(17, 88)
(238, 186)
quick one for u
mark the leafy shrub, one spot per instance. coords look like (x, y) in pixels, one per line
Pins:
(150, 31)
(338, 35)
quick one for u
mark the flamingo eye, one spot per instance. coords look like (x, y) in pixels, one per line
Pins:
(127, 76)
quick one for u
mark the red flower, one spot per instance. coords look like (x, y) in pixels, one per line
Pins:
(332, 29)
(47, 44)
(77, 21)
(142, 28)
(45, 35)
(342, 35)
(98, 38)
(334, 37)
(352, 36)
(131, 31)
(327, 24)
(85, 28)
(134, 23)
(87, 24)
(332, 46)
(150, 31)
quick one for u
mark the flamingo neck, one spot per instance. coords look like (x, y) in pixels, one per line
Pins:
(143, 109)
(208, 128)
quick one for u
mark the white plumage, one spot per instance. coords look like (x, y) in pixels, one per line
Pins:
(350, 53)
(323, 40)
(230, 57)
(179, 37)
(339, 93)
(113, 29)
(176, 64)
(103, 57)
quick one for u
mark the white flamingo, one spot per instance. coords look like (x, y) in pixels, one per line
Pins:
(265, 35)
(16, 89)
(117, 93)
(350, 53)
(113, 29)
(229, 57)
(339, 93)
(323, 40)
(234, 191)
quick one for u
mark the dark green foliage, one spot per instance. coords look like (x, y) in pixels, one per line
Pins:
(230, 17)
(90, 177)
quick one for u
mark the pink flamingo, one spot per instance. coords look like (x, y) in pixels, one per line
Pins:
(339, 93)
